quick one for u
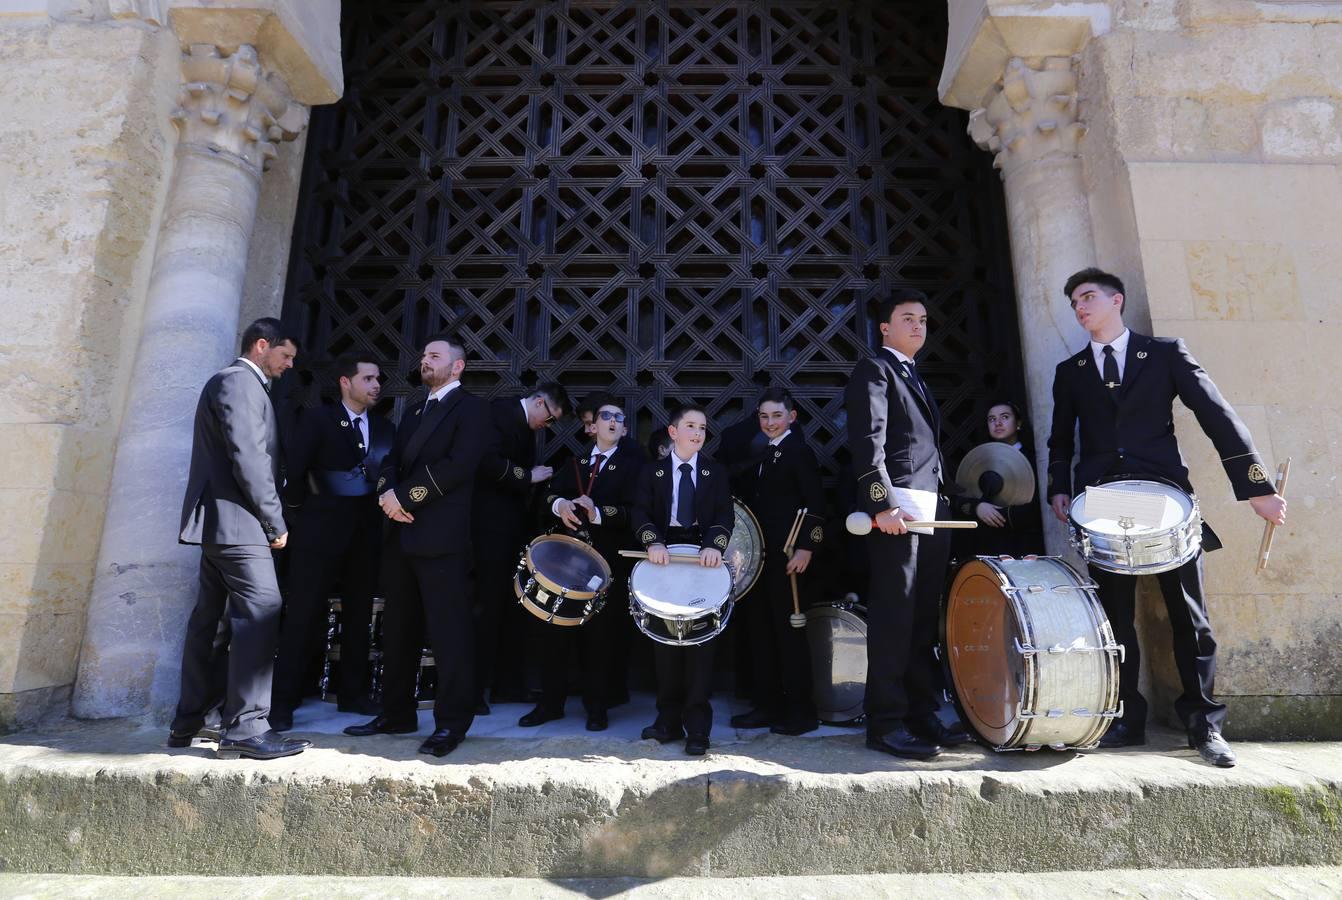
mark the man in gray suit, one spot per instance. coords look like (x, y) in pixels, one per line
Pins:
(232, 510)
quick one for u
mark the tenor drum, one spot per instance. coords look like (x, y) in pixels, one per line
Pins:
(745, 550)
(837, 635)
(425, 681)
(1031, 654)
(561, 580)
(1122, 546)
(681, 604)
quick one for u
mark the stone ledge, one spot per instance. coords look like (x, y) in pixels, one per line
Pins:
(107, 799)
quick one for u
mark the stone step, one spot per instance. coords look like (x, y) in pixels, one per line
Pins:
(107, 798)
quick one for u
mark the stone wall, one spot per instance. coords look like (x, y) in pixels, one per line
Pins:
(85, 152)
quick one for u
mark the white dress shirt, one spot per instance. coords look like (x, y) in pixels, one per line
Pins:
(265, 382)
(591, 458)
(360, 421)
(444, 391)
(1120, 345)
(676, 475)
(899, 356)
(774, 442)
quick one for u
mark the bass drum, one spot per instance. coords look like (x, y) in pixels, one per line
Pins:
(1031, 654)
(745, 551)
(837, 634)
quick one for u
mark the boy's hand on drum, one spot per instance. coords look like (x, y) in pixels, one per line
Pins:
(710, 558)
(586, 503)
(1272, 508)
(799, 561)
(891, 521)
(568, 514)
(1060, 502)
(658, 555)
(990, 515)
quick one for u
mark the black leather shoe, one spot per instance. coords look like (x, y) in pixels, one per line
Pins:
(179, 739)
(267, 745)
(662, 735)
(1214, 749)
(597, 720)
(795, 726)
(539, 716)
(931, 729)
(756, 718)
(900, 742)
(441, 742)
(696, 745)
(382, 725)
(482, 708)
(1121, 734)
(280, 721)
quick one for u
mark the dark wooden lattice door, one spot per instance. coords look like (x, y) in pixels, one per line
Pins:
(668, 200)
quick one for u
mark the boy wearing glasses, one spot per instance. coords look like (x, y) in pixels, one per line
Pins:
(592, 494)
(503, 485)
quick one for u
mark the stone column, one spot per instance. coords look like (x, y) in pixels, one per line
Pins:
(230, 116)
(1030, 122)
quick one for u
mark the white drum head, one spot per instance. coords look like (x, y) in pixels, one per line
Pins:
(680, 589)
(1175, 508)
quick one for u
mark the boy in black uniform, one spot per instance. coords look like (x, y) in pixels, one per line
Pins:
(333, 458)
(684, 499)
(593, 495)
(783, 478)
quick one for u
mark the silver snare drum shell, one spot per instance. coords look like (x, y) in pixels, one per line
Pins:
(837, 635)
(681, 604)
(1138, 550)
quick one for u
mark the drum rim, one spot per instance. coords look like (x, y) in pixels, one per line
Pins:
(723, 611)
(672, 548)
(1190, 528)
(857, 611)
(557, 589)
(529, 604)
(759, 533)
(1194, 513)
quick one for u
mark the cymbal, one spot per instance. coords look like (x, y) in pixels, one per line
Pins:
(1011, 466)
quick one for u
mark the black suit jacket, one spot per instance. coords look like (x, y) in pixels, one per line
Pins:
(651, 513)
(1133, 432)
(893, 432)
(612, 492)
(432, 468)
(779, 482)
(322, 444)
(503, 482)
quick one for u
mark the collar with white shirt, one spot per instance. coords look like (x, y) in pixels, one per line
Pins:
(676, 474)
(265, 382)
(1120, 345)
(898, 355)
(774, 442)
(360, 421)
(444, 390)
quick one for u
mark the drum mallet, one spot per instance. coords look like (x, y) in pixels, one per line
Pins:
(797, 619)
(860, 523)
(1270, 529)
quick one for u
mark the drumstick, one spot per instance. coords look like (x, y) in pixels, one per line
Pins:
(796, 620)
(790, 544)
(1270, 529)
(675, 557)
(860, 523)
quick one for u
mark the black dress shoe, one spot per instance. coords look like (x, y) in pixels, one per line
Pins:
(900, 742)
(441, 742)
(662, 735)
(382, 725)
(1121, 734)
(931, 729)
(1214, 749)
(795, 726)
(539, 716)
(696, 745)
(756, 718)
(179, 739)
(597, 720)
(267, 745)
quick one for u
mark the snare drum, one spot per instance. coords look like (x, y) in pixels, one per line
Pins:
(1130, 549)
(681, 604)
(561, 579)
(745, 550)
(838, 637)
(425, 680)
(1031, 654)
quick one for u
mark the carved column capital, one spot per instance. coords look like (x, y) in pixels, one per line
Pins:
(1031, 115)
(229, 104)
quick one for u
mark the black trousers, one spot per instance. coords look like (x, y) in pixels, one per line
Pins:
(780, 654)
(315, 568)
(231, 634)
(503, 631)
(427, 595)
(593, 644)
(908, 574)
(684, 674)
(1194, 646)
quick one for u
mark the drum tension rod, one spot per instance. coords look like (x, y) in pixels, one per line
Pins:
(1059, 649)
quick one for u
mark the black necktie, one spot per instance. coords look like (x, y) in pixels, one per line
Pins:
(358, 432)
(1111, 379)
(918, 382)
(429, 405)
(685, 496)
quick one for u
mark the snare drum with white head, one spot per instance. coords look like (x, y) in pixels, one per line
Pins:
(680, 603)
(1170, 536)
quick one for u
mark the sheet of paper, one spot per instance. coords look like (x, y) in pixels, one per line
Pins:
(922, 505)
(1147, 510)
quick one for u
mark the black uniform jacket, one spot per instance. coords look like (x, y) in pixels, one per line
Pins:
(612, 492)
(329, 479)
(893, 434)
(503, 483)
(782, 480)
(432, 468)
(1133, 432)
(651, 512)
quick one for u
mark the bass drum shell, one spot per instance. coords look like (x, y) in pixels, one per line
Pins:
(837, 635)
(1031, 654)
(745, 550)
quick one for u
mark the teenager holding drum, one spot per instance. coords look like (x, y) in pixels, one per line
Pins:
(1120, 389)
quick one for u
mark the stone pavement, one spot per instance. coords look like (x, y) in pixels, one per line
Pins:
(108, 798)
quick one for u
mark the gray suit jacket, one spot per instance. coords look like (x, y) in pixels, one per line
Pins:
(231, 495)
